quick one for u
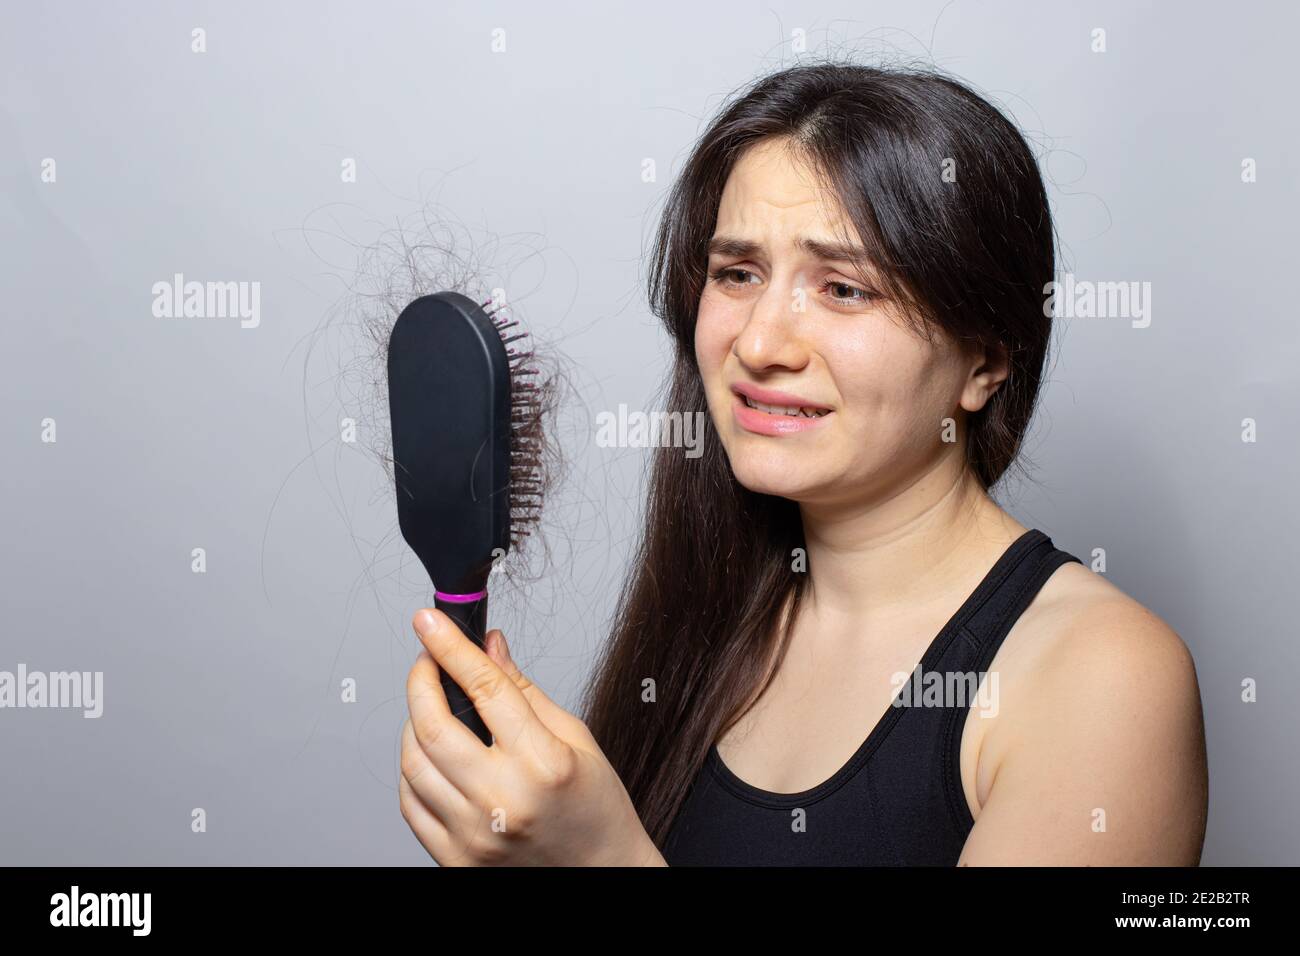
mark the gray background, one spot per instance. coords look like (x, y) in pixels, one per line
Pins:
(222, 689)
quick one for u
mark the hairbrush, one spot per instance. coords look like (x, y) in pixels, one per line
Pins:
(466, 448)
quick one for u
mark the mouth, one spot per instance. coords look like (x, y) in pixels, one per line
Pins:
(772, 402)
(766, 412)
(791, 411)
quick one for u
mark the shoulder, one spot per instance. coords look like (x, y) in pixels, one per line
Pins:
(1098, 659)
(1102, 727)
(1098, 643)
(1082, 639)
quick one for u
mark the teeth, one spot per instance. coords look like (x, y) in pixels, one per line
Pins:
(784, 409)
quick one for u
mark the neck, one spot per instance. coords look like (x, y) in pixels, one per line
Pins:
(925, 542)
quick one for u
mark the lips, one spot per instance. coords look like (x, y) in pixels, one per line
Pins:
(773, 402)
(765, 411)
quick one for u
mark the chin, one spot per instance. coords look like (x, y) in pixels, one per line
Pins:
(782, 475)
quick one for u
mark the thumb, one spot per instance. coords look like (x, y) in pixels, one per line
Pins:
(557, 720)
(499, 651)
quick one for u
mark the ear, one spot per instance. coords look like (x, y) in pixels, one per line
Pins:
(989, 367)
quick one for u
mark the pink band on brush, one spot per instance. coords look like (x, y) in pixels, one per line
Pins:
(461, 598)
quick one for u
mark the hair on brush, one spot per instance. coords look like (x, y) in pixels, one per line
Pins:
(423, 254)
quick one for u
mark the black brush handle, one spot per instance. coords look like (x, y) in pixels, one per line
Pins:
(471, 618)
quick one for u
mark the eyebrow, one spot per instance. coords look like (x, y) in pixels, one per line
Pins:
(732, 246)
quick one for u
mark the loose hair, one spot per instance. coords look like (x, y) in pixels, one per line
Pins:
(947, 196)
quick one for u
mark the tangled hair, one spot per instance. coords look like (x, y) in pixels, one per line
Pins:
(424, 254)
(703, 612)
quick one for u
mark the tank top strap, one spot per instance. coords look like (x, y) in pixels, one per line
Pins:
(1031, 563)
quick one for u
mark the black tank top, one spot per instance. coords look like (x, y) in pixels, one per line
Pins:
(898, 801)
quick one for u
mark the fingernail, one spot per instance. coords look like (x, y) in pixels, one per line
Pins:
(425, 622)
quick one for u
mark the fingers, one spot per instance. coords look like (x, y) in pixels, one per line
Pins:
(435, 791)
(558, 720)
(439, 815)
(497, 698)
(441, 737)
(424, 823)
(494, 642)
(420, 783)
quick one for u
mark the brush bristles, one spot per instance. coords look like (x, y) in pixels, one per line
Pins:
(525, 428)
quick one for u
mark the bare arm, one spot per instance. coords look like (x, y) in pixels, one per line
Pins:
(1103, 762)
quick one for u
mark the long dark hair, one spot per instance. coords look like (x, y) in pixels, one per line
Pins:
(947, 196)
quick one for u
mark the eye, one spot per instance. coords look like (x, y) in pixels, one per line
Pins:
(847, 294)
(727, 277)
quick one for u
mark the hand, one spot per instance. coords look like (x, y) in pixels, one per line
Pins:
(542, 794)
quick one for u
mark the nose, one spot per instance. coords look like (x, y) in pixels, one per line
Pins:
(770, 338)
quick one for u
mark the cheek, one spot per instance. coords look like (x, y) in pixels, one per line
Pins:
(893, 386)
(713, 337)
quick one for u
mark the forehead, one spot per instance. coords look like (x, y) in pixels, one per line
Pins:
(771, 184)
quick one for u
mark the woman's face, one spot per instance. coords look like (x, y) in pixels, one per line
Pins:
(789, 321)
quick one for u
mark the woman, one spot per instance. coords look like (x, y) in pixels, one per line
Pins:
(853, 269)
